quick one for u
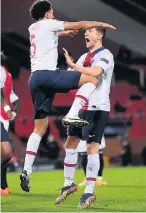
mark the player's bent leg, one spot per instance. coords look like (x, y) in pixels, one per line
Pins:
(87, 79)
(70, 162)
(31, 151)
(6, 152)
(87, 85)
(92, 170)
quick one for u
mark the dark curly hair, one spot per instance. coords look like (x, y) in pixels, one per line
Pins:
(39, 8)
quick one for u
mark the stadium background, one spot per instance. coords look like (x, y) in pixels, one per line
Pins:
(128, 92)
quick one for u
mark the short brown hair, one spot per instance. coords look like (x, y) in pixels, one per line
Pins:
(101, 30)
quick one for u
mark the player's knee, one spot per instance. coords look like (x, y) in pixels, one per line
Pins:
(6, 154)
(92, 148)
(94, 81)
(71, 142)
(41, 130)
(86, 79)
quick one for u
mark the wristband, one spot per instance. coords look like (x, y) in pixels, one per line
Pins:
(7, 108)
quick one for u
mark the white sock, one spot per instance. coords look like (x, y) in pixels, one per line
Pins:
(92, 172)
(70, 162)
(81, 99)
(31, 151)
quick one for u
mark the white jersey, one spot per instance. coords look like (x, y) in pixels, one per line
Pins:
(100, 97)
(44, 43)
(82, 147)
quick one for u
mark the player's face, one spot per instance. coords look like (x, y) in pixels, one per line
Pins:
(92, 37)
(50, 14)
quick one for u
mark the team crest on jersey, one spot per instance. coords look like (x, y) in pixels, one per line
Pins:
(105, 60)
(91, 60)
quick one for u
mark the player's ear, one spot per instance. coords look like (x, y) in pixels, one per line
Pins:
(99, 35)
(46, 15)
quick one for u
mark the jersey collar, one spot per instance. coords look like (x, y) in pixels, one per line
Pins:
(98, 50)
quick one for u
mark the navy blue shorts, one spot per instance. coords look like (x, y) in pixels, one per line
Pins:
(4, 133)
(94, 131)
(44, 84)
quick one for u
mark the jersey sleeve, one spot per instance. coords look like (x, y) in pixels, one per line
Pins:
(81, 60)
(105, 61)
(2, 77)
(56, 25)
(13, 97)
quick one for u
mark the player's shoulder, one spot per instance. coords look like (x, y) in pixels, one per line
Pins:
(107, 52)
(42, 23)
(82, 59)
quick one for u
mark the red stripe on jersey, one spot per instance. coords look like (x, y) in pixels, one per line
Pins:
(69, 165)
(87, 62)
(91, 179)
(31, 153)
(7, 86)
(7, 92)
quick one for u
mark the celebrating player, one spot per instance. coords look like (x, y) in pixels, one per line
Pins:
(45, 80)
(99, 63)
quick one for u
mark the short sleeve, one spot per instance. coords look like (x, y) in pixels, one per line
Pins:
(81, 60)
(56, 25)
(2, 77)
(105, 61)
(13, 97)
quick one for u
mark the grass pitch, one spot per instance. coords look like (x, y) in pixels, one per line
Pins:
(125, 192)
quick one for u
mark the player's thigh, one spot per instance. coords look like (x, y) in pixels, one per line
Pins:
(66, 80)
(42, 97)
(97, 123)
(87, 78)
(6, 149)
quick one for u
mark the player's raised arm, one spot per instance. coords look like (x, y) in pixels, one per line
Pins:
(83, 25)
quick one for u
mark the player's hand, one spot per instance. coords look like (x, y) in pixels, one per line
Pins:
(71, 33)
(10, 115)
(106, 25)
(68, 58)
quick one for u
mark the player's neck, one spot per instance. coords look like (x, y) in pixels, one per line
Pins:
(97, 46)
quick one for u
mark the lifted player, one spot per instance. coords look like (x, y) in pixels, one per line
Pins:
(45, 80)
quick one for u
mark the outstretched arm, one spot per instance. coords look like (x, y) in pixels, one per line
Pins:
(84, 25)
(69, 33)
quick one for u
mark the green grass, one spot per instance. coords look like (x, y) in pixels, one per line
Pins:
(126, 192)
